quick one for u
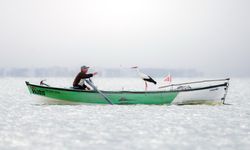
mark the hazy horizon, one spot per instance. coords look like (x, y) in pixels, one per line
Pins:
(211, 36)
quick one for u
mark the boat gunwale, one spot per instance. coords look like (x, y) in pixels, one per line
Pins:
(133, 92)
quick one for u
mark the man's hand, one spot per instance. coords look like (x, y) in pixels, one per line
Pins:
(95, 73)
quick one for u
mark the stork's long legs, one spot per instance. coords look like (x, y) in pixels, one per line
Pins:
(146, 86)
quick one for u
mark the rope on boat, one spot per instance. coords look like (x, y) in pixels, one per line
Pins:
(226, 91)
(171, 85)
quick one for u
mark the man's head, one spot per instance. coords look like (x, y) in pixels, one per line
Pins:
(84, 69)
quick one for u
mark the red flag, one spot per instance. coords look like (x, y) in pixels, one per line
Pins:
(168, 79)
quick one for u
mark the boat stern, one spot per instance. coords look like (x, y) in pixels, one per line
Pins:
(210, 95)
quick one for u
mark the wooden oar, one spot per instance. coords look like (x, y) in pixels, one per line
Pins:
(95, 88)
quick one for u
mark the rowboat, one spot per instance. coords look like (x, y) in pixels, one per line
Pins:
(176, 94)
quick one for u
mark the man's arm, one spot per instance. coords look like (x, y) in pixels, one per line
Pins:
(90, 75)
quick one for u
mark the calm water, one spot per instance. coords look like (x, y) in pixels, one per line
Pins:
(26, 123)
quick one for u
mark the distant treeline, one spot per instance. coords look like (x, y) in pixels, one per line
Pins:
(108, 72)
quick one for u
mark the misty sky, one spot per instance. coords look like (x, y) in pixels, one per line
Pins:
(212, 36)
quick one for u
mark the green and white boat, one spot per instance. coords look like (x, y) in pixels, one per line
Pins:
(172, 94)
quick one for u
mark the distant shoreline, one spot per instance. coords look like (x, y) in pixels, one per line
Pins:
(102, 72)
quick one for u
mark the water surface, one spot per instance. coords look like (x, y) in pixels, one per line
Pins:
(26, 123)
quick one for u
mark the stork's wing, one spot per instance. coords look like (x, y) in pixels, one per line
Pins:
(143, 75)
(151, 80)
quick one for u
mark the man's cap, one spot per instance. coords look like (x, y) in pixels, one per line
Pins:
(84, 67)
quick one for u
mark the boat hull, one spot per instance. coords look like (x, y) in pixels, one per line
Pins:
(199, 95)
(213, 95)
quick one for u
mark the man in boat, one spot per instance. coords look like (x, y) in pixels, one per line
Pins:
(79, 79)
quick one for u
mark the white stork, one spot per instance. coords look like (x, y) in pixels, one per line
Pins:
(144, 77)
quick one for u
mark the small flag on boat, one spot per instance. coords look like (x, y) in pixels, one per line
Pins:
(168, 79)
